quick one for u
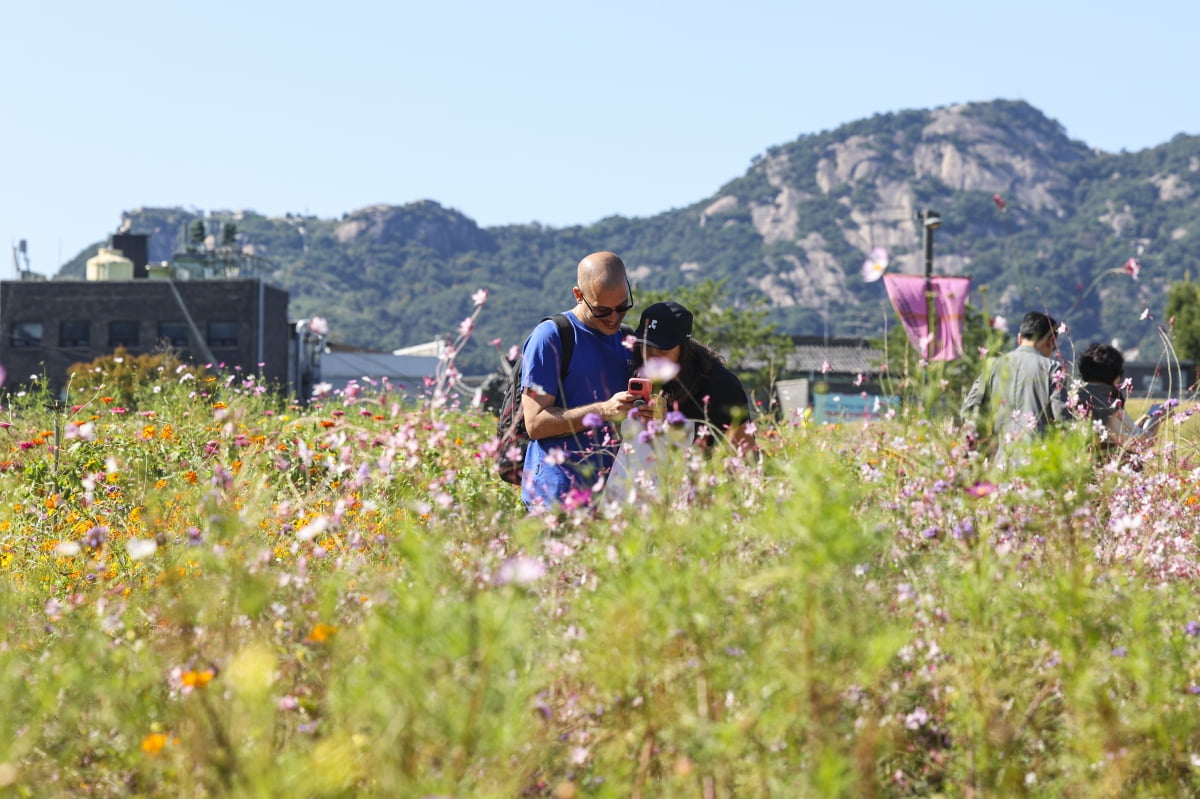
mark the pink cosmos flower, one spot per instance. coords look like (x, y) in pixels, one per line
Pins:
(319, 326)
(999, 201)
(981, 489)
(826, 367)
(1132, 268)
(479, 297)
(520, 570)
(999, 323)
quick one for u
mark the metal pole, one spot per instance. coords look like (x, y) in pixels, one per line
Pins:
(930, 221)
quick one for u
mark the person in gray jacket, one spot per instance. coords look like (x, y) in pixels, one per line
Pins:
(1023, 391)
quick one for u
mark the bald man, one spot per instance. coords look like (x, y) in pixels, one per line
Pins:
(566, 457)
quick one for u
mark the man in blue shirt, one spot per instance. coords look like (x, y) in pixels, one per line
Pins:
(570, 422)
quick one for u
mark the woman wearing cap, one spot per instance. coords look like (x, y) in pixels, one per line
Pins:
(704, 390)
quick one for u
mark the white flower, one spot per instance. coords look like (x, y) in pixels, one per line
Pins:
(916, 719)
(661, 370)
(312, 529)
(141, 548)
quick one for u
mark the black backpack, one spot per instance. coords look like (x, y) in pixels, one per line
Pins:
(510, 426)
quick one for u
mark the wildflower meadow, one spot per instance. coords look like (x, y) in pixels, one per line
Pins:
(207, 590)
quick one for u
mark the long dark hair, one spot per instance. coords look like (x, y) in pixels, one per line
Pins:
(696, 362)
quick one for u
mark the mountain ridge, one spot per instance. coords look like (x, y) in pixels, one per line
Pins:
(791, 231)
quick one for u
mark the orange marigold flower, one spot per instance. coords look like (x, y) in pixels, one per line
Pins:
(154, 743)
(107, 400)
(326, 423)
(167, 434)
(191, 477)
(320, 633)
(197, 679)
(219, 405)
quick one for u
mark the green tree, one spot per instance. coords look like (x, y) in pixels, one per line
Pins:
(1183, 305)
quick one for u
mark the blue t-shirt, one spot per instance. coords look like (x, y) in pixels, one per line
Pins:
(600, 367)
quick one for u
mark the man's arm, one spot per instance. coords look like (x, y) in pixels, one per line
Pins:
(544, 419)
(975, 396)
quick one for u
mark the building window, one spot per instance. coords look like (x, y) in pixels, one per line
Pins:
(173, 334)
(26, 334)
(74, 334)
(222, 334)
(123, 334)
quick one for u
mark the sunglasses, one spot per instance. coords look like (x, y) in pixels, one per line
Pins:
(602, 312)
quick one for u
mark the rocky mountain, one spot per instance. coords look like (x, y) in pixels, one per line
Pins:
(1037, 219)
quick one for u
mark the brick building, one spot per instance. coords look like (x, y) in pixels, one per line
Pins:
(47, 325)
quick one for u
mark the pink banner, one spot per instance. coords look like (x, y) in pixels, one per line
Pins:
(907, 293)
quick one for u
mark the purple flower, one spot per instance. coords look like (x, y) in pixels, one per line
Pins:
(95, 537)
(675, 417)
(1192, 628)
(592, 420)
(1119, 652)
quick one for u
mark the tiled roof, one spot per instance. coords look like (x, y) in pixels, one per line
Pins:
(844, 356)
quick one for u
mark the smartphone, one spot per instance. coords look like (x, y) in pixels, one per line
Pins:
(639, 386)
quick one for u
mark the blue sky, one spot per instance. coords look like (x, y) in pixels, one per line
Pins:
(556, 112)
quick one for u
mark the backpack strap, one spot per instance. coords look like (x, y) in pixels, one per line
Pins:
(566, 337)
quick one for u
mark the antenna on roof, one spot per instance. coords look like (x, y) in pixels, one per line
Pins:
(21, 251)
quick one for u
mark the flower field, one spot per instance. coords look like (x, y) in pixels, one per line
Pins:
(206, 592)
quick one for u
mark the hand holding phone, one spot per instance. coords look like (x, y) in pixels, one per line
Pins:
(639, 387)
